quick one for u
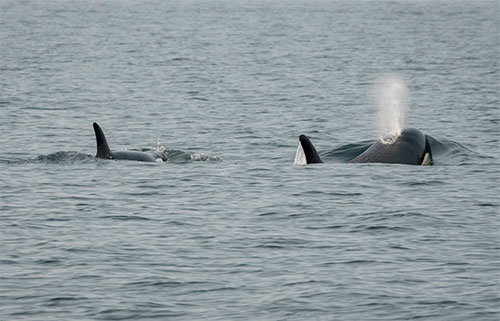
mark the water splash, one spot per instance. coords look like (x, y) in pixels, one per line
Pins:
(159, 148)
(201, 157)
(391, 96)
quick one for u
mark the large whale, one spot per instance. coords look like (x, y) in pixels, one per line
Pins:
(411, 147)
(103, 150)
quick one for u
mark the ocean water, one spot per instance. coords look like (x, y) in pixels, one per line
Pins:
(229, 228)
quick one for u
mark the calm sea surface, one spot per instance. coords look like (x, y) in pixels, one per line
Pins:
(228, 228)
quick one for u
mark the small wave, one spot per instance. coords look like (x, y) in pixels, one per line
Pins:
(179, 223)
(330, 194)
(350, 262)
(63, 300)
(157, 283)
(448, 152)
(61, 157)
(347, 152)
(2, 262)
(64, 157)
(381, 228)
(48, 261)
(180, 156)
(181, 59)
(200, 157)
(327, 227)
(137, 313)
(125, 217)
(425, 183)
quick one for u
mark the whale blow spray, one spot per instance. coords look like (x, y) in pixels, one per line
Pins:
(391, 96)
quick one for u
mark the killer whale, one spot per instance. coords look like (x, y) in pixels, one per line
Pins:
(411, 147)
(103, 150)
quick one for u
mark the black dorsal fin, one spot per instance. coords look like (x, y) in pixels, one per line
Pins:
(427, 159)
(312, 155)
(103, 150)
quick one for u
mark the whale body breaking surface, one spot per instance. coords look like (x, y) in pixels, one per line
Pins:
(103, 150)
(411, 147)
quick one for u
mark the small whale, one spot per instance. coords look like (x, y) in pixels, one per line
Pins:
(103, 150)
(410, 147)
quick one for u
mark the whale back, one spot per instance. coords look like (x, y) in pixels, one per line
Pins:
(139, 156)
(409, 148)
(103, 150)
